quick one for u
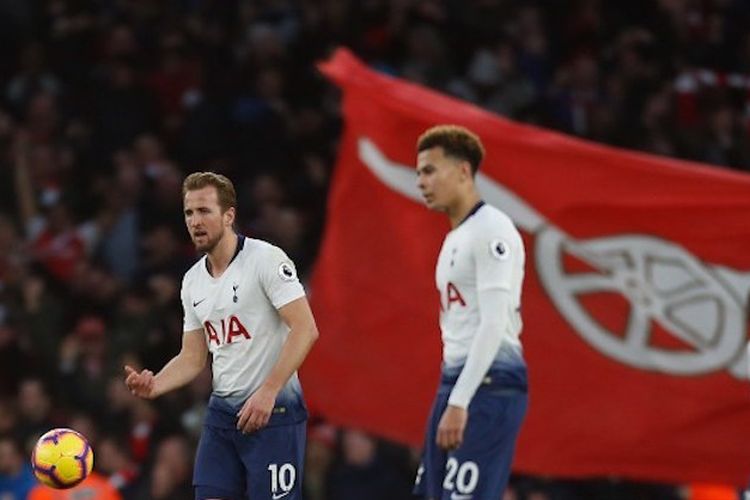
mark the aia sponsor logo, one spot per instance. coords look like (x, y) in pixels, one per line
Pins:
(451, 296)
(227, 331)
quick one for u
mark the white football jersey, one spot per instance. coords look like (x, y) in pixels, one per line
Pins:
(485, 251)
(238, 315)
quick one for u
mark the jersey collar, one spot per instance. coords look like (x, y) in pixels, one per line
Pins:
(240, 246)
(474, 210)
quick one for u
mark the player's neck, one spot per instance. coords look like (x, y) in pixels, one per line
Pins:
(220, 257)
(460, 210)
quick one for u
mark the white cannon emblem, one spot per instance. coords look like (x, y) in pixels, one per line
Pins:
(702, 305)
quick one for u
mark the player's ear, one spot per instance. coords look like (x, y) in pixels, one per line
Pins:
(229, 216)
(466, 171)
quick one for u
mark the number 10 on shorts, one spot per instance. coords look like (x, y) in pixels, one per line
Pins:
(282, 479)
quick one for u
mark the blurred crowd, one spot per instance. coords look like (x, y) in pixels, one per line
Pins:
(105, 105)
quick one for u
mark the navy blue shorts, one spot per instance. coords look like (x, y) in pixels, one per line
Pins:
(264, 465)
(478, 469)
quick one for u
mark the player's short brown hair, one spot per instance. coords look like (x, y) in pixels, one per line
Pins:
(224, 187)
(456, 141)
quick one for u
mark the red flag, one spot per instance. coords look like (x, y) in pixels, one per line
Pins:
(633, 305)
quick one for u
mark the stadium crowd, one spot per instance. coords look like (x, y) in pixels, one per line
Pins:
(106, 105)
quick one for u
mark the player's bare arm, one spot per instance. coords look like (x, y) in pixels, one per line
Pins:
(450, 431)
(178, 372)
(303, 333)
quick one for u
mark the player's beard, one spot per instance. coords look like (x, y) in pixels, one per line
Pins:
(210, 243)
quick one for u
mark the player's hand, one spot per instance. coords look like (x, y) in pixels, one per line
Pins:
(140, 384)
(450, 431)
(256, 411)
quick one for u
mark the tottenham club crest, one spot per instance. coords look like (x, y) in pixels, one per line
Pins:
(287, 271)
(499, 249)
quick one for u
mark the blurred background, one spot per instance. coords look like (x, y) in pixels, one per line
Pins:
(105, 105)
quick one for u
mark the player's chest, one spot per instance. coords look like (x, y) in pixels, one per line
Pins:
(217, 299)
(455, 263)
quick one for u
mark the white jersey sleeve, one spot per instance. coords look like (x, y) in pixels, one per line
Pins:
(278, 277)
(190, 319)
(494, 256)
(493, 304)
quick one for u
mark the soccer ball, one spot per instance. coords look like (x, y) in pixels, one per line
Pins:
(62, 458)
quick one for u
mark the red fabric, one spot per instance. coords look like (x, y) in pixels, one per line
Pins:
(679, 232)
(59, 253)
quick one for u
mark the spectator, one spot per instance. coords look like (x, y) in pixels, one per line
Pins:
(94, 486)
(320, 452)
(35, 410)
(114, 460)
(32, 78)
(16, 476)
(361, 471)
(84, 364)
(171, 474)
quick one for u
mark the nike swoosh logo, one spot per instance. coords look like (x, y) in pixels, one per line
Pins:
(195, 304)
(276, 496)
